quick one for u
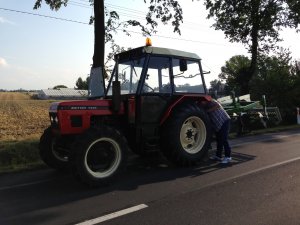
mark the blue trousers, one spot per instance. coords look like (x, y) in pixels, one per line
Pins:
(222, 140)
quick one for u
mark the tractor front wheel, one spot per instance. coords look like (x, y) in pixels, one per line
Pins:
(99, 155)
(53, 150)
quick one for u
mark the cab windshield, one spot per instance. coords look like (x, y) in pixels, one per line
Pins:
(129, 73)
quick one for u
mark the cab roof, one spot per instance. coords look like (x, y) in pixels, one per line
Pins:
(156, 51)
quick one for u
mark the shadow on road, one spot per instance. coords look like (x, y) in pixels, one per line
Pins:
(40, 190)
(29, 195)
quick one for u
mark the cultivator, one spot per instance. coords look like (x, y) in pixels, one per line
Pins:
(248, 115)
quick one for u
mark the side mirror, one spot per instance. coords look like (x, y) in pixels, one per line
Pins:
(183, 65)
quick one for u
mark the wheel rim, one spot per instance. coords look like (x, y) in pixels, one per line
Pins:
(102, 157)
(193, 135)
(58, 153)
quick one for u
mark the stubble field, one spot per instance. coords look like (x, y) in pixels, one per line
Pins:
(22, 122)
(22, 117)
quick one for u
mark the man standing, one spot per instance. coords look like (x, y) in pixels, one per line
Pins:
(221, 124)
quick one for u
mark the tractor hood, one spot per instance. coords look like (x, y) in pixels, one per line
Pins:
(75, 117)
(102, 104)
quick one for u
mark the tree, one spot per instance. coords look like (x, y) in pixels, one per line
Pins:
(236, 74)
(255, 23)
(59, 86)
(217, 88)
(278, 79)
(81, 84)
(158, 10)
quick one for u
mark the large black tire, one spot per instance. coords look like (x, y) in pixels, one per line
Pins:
(100, 154)
(52, 150)
(186, 135)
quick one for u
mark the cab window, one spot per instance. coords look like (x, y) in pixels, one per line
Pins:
(158, 76)
(187, 76)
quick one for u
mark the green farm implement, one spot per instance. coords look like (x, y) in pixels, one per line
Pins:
(248, 115)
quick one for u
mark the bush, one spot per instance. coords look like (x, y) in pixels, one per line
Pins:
(289, 115)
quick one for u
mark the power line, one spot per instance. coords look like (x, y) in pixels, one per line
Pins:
(36, 14)
(84, 1)
(179, 39)
(88, 6)
(130, 31)
(69, 20)
(125, 9)
(82, 6)
(127, 12)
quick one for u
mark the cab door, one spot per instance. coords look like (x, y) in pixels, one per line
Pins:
(155, 94)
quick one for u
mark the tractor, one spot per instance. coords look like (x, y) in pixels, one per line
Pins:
(153, 101)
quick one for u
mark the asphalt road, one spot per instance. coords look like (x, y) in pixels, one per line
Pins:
(260, 186)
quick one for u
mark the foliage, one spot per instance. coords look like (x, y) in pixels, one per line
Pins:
(254, 23)
(81, 84)
(273, 79)
(54, 4)
(60, 86)
(218, 88)
(236, 74)
(162, 10)
(114, 49)
(278, 78)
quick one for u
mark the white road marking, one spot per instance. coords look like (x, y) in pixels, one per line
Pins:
(250, 172)
(113, 215)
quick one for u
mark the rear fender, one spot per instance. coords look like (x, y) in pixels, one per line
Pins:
(195, 98)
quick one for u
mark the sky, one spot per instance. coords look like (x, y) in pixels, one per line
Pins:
(37, 52)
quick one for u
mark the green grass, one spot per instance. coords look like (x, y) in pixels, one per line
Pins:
(19, 155)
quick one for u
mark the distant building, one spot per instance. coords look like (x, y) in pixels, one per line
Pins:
(62, 93)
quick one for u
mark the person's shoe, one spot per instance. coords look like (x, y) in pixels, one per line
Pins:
(226, 160)
(215, 158)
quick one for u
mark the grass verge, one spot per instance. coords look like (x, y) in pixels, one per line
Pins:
(19, 155)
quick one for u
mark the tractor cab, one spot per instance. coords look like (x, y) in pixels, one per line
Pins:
(153, 70)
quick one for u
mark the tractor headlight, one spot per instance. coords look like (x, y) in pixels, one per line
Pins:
(53, 118)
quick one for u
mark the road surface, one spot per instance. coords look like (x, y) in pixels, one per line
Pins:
(260, 186)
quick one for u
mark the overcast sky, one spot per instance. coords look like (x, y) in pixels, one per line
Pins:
(37, 52)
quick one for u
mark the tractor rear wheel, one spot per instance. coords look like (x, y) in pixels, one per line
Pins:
(186, 135)
(99, 155)
(53, 151)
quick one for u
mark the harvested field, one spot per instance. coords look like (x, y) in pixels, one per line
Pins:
(22, 117)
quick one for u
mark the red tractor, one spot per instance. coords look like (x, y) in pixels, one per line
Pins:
(152, 101)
